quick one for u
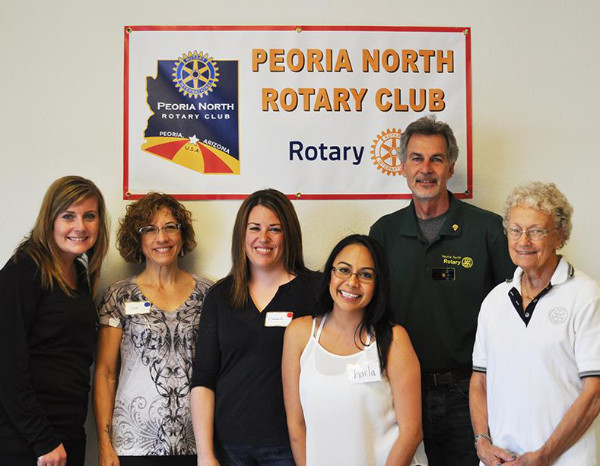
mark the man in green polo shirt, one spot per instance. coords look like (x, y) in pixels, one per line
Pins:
(445, 256)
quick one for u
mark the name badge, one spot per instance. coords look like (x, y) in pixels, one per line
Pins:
(443, 274)
(363, 372)
(113, 322)
(140, 307)
(278, 319)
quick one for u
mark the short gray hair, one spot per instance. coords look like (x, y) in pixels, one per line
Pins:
(429, 126)
(545, 197)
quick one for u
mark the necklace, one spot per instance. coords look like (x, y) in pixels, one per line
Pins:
(526, 294)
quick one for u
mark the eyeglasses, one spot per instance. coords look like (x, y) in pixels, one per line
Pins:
(534, 234)
(152, 231)
(344, 273)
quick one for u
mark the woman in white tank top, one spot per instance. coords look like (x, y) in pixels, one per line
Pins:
(351, 378)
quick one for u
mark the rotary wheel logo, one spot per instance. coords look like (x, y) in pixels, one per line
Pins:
(467, 262)
(558, 315)
(386, 152)
(195, 74)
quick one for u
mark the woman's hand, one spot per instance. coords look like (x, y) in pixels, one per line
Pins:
(202, 407)
(57, 457)
(295, 339)
(105, 387)
(207, 460)
(489, 454)
(107, 456)
(492, 455)
(404, 374)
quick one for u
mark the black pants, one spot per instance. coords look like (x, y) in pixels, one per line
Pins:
(183, 460)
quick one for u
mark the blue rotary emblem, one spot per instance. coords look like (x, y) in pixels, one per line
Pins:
(195, 74)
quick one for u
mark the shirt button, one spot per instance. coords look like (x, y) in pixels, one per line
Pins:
(527, 314)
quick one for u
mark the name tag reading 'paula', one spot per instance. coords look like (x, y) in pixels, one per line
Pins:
(363, 372)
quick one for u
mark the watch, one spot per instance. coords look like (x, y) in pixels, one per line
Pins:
(480, 436)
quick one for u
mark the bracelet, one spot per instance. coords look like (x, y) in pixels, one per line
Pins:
(480, 436)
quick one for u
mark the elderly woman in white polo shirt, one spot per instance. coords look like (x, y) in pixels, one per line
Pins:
(535, 389)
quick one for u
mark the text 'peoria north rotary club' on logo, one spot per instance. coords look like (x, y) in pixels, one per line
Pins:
(386, 152)
(195, 74)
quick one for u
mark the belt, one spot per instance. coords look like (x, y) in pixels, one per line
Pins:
(434, 379)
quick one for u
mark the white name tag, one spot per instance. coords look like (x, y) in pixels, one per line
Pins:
(114, 322)
(140, 307)
(363, 372)
(278, 319)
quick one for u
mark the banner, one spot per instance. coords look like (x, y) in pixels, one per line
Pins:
(315, 112)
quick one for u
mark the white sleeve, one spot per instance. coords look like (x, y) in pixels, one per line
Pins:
(479, 350)
(587, 333)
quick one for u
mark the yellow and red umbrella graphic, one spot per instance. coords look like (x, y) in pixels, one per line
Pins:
(192, 154)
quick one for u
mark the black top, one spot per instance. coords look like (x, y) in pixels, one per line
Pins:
(240, 359)
(438, 286)
(47, 342)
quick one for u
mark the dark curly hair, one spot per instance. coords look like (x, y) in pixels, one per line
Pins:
(140, 213)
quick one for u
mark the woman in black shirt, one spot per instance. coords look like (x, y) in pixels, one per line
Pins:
(48, 330)
(237, 399)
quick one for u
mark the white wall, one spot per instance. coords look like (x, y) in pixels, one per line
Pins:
(535, 102)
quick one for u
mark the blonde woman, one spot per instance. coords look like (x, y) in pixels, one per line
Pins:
(49, 328)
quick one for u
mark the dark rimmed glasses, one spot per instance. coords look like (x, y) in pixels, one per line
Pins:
(344, 273)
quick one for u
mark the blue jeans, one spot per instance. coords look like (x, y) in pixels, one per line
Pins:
(447, 429)
(279, 454)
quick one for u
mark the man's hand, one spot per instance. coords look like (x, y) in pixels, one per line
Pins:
(57, 457)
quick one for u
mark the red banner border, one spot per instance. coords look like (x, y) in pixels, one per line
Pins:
(468, 194)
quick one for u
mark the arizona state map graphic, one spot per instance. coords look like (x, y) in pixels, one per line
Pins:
(194, 121)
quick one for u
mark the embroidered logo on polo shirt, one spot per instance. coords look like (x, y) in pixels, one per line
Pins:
(558, 315)
(467, 262)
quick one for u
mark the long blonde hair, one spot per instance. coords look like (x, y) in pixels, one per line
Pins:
(40, 244)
